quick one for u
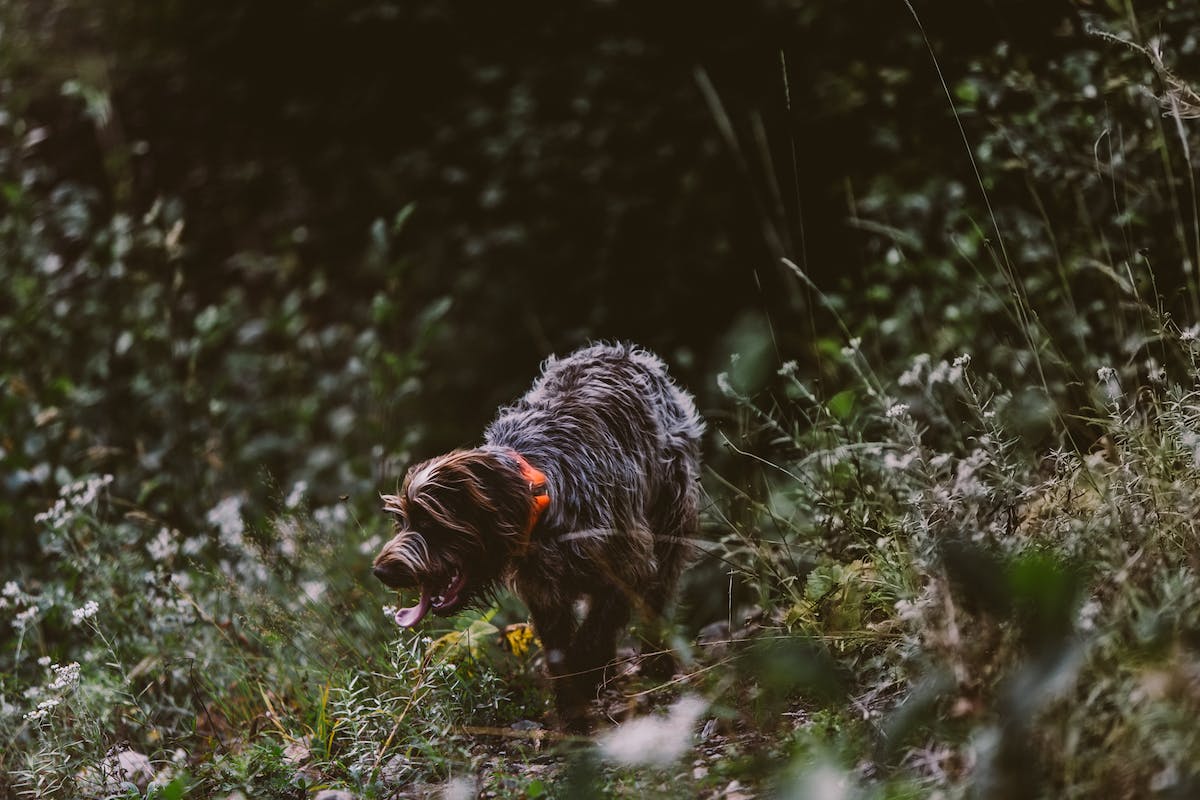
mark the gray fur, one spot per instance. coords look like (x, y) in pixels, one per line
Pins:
(619, 444)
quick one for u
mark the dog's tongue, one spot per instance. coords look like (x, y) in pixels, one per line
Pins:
(407, 617)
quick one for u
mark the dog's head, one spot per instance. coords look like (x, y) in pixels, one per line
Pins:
(460, 518)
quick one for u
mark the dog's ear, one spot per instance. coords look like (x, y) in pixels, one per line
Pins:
(392, 504)
(479, 492)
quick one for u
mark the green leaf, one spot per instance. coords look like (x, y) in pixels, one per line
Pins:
(841, 404)
(173, 790)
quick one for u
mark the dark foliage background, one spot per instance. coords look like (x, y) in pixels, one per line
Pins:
(930, 267)
(250, 244)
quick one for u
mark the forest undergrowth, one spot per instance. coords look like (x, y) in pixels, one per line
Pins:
(949, 547)
(933, 608)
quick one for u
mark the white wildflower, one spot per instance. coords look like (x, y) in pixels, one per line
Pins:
(11, 589)
(945, 372)
(86, 611)
(908, 610)
(84, 493)
(368, 546)
(66, 676)
(193, 545)
(164, 546)
(331, 516)
(43, 708)
(226, 517)
(44, 661)
(22, 620)
(899, 462)
(852, 347)
(940, 460)
(912, 376)
(725, 385)
(655, 739)
(966, 480)
(1088, 613)
(897, 410)
(72, 496)
(296, 496)
(1108, 377)
(51, 263)
(287, 534)
(788, 368)
(460, 788)
(963, 361)
(826, 781)
(247, 569)
(54, 516)
(940, 373)
(312, 590)
(1190, 334)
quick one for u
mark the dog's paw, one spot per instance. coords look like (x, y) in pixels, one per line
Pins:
(660, 665)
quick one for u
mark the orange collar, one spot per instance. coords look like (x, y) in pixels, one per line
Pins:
(537, 489)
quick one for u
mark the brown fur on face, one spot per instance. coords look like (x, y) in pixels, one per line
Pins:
(618, 444)
(473, 504)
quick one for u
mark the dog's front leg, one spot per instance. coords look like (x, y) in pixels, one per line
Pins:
(555, 626)
(595, 644)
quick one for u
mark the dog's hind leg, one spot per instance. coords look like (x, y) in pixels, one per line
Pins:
(672, 549)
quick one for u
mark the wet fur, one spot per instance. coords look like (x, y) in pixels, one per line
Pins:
(618, 442)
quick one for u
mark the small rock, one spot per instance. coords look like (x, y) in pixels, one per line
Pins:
(334, 794)
(115, 772)
(526, 725)
(296, 752)
(713, 633)
(735, 791)
(136, 768)
(397, 771)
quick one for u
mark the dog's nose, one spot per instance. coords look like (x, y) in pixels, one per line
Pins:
(392, 574)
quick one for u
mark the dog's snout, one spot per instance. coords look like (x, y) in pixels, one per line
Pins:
(390, 573)
(393, 573)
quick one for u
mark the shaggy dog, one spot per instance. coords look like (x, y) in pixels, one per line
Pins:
(585, 489)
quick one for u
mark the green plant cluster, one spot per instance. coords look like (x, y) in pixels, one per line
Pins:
(933, 278)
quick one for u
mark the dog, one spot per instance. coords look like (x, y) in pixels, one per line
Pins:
(587, 488)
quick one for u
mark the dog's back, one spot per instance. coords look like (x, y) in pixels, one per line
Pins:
(614, 433)
(619, 442)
